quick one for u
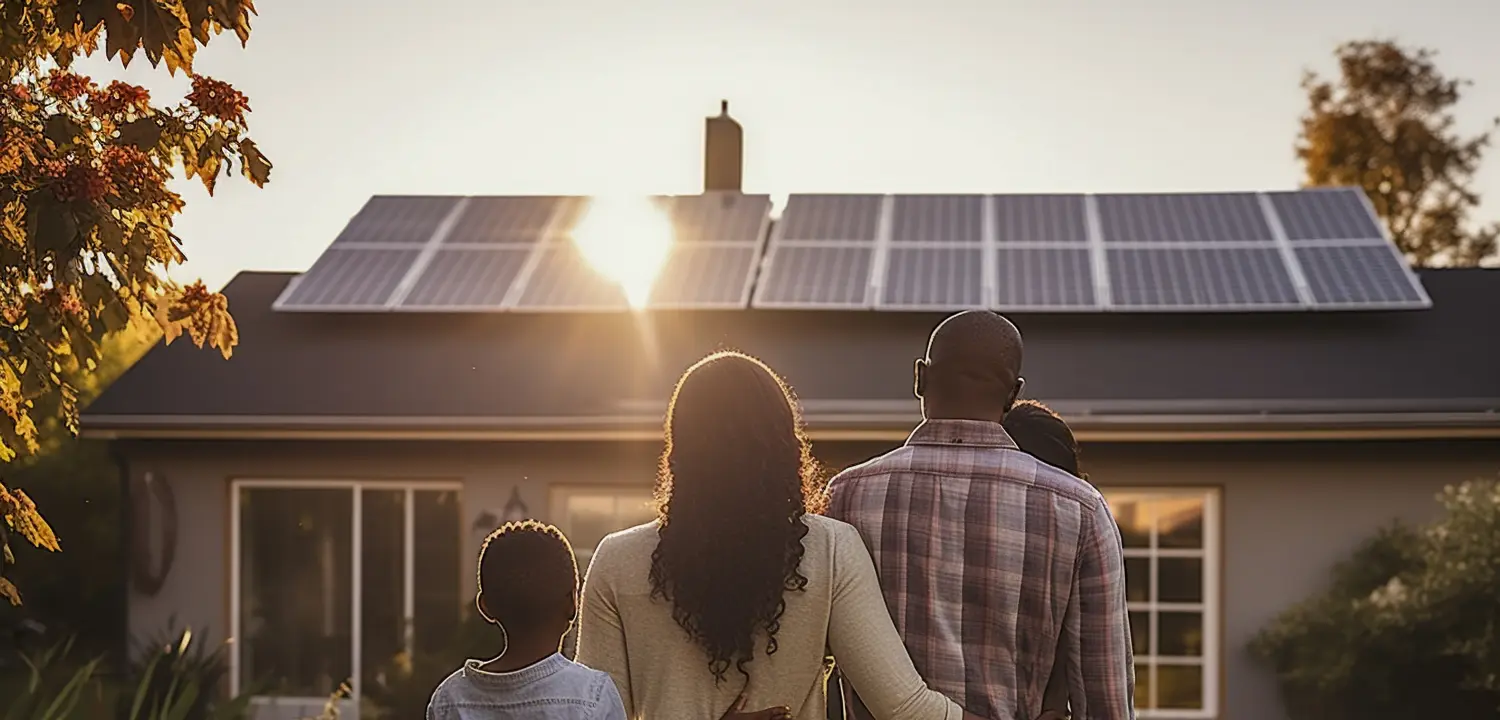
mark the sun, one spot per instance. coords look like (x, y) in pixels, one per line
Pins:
(626, 239)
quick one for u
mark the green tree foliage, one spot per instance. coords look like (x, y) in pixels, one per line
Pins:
(85, 211)
(1408, 628)
(1386, 124)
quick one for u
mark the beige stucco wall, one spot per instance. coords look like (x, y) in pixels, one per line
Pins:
(1289, 510)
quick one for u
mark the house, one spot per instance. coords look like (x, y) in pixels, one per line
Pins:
(1252, 407)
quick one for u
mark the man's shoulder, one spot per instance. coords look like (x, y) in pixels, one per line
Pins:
(1006, 465)
(895, 461)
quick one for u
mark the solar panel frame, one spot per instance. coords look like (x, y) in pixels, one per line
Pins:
(561, 280)
(695, 219)
(1182, 219)
(506, 220)
(397, 220)
(919, 277)
(330, 280)
(1067, 267)
(1387, 281)
(1042, 219)
(851, 266)
(1141, 280)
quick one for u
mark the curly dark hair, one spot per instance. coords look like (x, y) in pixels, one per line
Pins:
(736, 479)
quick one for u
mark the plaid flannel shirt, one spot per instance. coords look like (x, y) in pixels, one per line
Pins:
(992, 563)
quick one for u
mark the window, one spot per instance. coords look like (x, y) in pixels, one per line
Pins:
(1172, 586)
(331, 580)
(586, 515)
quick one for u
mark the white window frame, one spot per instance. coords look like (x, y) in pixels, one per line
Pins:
(1211, 607)
(356, 619)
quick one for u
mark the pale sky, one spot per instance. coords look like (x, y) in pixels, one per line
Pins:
(353, 98)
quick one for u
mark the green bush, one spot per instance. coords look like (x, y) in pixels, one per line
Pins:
(402, 687)
(1408, 626)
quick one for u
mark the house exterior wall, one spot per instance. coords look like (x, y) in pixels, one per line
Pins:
(1289, 511)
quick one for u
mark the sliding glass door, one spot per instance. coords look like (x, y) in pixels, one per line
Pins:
(332, 580)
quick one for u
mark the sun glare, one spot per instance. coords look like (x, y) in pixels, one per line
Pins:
(625, 239)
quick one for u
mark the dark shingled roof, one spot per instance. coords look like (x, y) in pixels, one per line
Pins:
(527, 370)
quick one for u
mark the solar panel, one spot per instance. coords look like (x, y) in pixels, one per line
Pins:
(719, 216)
(1041, 218)
(466, 278)
(937, 218)
(846, 218)
(933, 278)
(397, 219)
(505, 220)
(1325, 214)
(563, 280)
(1200, 278)
(700, 276)
(814, 277)
(1044, 278)
(1185, 218)
(349, 278)
(1370, 275)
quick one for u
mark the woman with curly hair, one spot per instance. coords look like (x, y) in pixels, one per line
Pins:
(739, 589)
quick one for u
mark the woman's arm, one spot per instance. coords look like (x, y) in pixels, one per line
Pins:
(865, 644)
(601, 634)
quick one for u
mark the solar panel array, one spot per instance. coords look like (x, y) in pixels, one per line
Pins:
(1319, 249)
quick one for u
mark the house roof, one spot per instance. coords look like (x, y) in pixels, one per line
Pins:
(572, 375)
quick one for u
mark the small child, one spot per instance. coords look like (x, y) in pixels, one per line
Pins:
(528, 587)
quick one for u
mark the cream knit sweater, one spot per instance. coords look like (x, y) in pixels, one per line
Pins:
(662, 675)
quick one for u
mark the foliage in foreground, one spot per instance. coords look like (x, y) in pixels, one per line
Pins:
(1386, 124)
(85, 211)
(1409, 626)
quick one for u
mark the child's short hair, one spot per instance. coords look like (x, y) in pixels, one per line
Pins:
(1043, 434)
(527, 575)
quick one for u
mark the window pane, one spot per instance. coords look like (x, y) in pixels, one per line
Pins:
(1134, 522)
(438, 569)
(295, 574)
(1179, 634)
(1138, 579)
(1142, 686)
(1140, 633)
(382, 586)
(1180, 523)
(1179, 580)
(589, 519)
(1179, 687)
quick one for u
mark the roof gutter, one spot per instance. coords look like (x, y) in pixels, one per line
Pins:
(824, 425)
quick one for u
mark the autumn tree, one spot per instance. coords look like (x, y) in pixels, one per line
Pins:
(1387, 124)
(85, 210)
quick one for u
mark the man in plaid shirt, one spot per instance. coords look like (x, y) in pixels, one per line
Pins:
(994, 565)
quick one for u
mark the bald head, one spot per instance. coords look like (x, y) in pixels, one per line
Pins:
(973, 368)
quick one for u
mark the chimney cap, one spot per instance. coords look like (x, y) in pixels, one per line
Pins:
(723, 107)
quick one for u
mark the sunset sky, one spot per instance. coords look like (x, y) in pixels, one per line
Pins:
(354, 98)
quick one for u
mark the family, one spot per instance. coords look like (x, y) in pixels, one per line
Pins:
(970, 574)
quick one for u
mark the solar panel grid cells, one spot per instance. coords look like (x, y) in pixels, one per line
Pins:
(848, 218)
(719, 217)
(1331, 214)
(1200, 278)
(397, 219)
(1357, 275)
(1186, 218)
(504, 220)
(467, 278)
(1044, 278)
(563, 280)
(704, 276)
(348, 277)
(1040, 219)
(936, 278)
(818, 276)
(937, 219)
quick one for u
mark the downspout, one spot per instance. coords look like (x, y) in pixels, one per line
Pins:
(117, 452)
